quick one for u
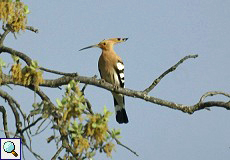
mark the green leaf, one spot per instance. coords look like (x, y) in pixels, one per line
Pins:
(94, 125)
(45, 115)
(64, 101)
(72, 83)
(116, 133)
(2, 63)
(56, 127)
(75, 124)
(26, 9)
(35, 112)
(92, 154)
(15, 58)
(82, 106)
(34, 64)
(105, 110)
(35, 105)
(59, 102)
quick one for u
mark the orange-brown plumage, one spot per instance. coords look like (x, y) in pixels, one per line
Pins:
(111, 69)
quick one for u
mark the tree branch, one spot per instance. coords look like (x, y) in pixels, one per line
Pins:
(64, 80)
(136, 94)
(28, 60)
(3, 36)
(57, 153)
(11, 51)
(58, 72)
(11, 103)
(213, 93)
(32, 124)
(30, 28)
(37, 156)
(38, 131)
(119, 143)
(171, 69)
(4, 117)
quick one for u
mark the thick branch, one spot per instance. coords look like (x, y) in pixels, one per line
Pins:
(128, 92)
(11, 51)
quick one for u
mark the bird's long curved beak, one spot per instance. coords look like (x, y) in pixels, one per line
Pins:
(93, 46)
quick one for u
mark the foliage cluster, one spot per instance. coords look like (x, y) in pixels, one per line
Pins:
(87, 131)
(28, 75)
(14, 14)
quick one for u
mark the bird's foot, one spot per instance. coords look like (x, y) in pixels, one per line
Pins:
(115, 87)
(102, 81)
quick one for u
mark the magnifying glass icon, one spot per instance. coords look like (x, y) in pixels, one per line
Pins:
(9, 147)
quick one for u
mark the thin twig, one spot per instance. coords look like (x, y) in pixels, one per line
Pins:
(11, 133)
(40, 125)
(84, 87)
(171, 69)
(89, 106)
(35, 154)
(28, 61)
(4, 117)
(58, 72)
(28, 132)
(3, 36)
(32, 124)
(30, 28)
(119, 143)
(23, 154)
(57, 153)
(213, 93)
(11, 103)
(36, 133)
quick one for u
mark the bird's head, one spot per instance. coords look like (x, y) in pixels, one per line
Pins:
(106, 44)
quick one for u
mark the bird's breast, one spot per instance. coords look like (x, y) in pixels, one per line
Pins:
(106, 67)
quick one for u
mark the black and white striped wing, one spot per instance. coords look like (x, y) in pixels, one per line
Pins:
(120, 74)
(119, 100)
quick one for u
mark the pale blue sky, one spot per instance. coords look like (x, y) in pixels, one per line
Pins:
(160, 33)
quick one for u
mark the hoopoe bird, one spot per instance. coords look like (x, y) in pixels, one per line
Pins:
(111, 69)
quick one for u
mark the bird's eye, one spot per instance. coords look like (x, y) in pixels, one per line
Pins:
(118, 39)
(104, 44)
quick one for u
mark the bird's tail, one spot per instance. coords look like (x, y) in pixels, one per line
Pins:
(119, 104)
